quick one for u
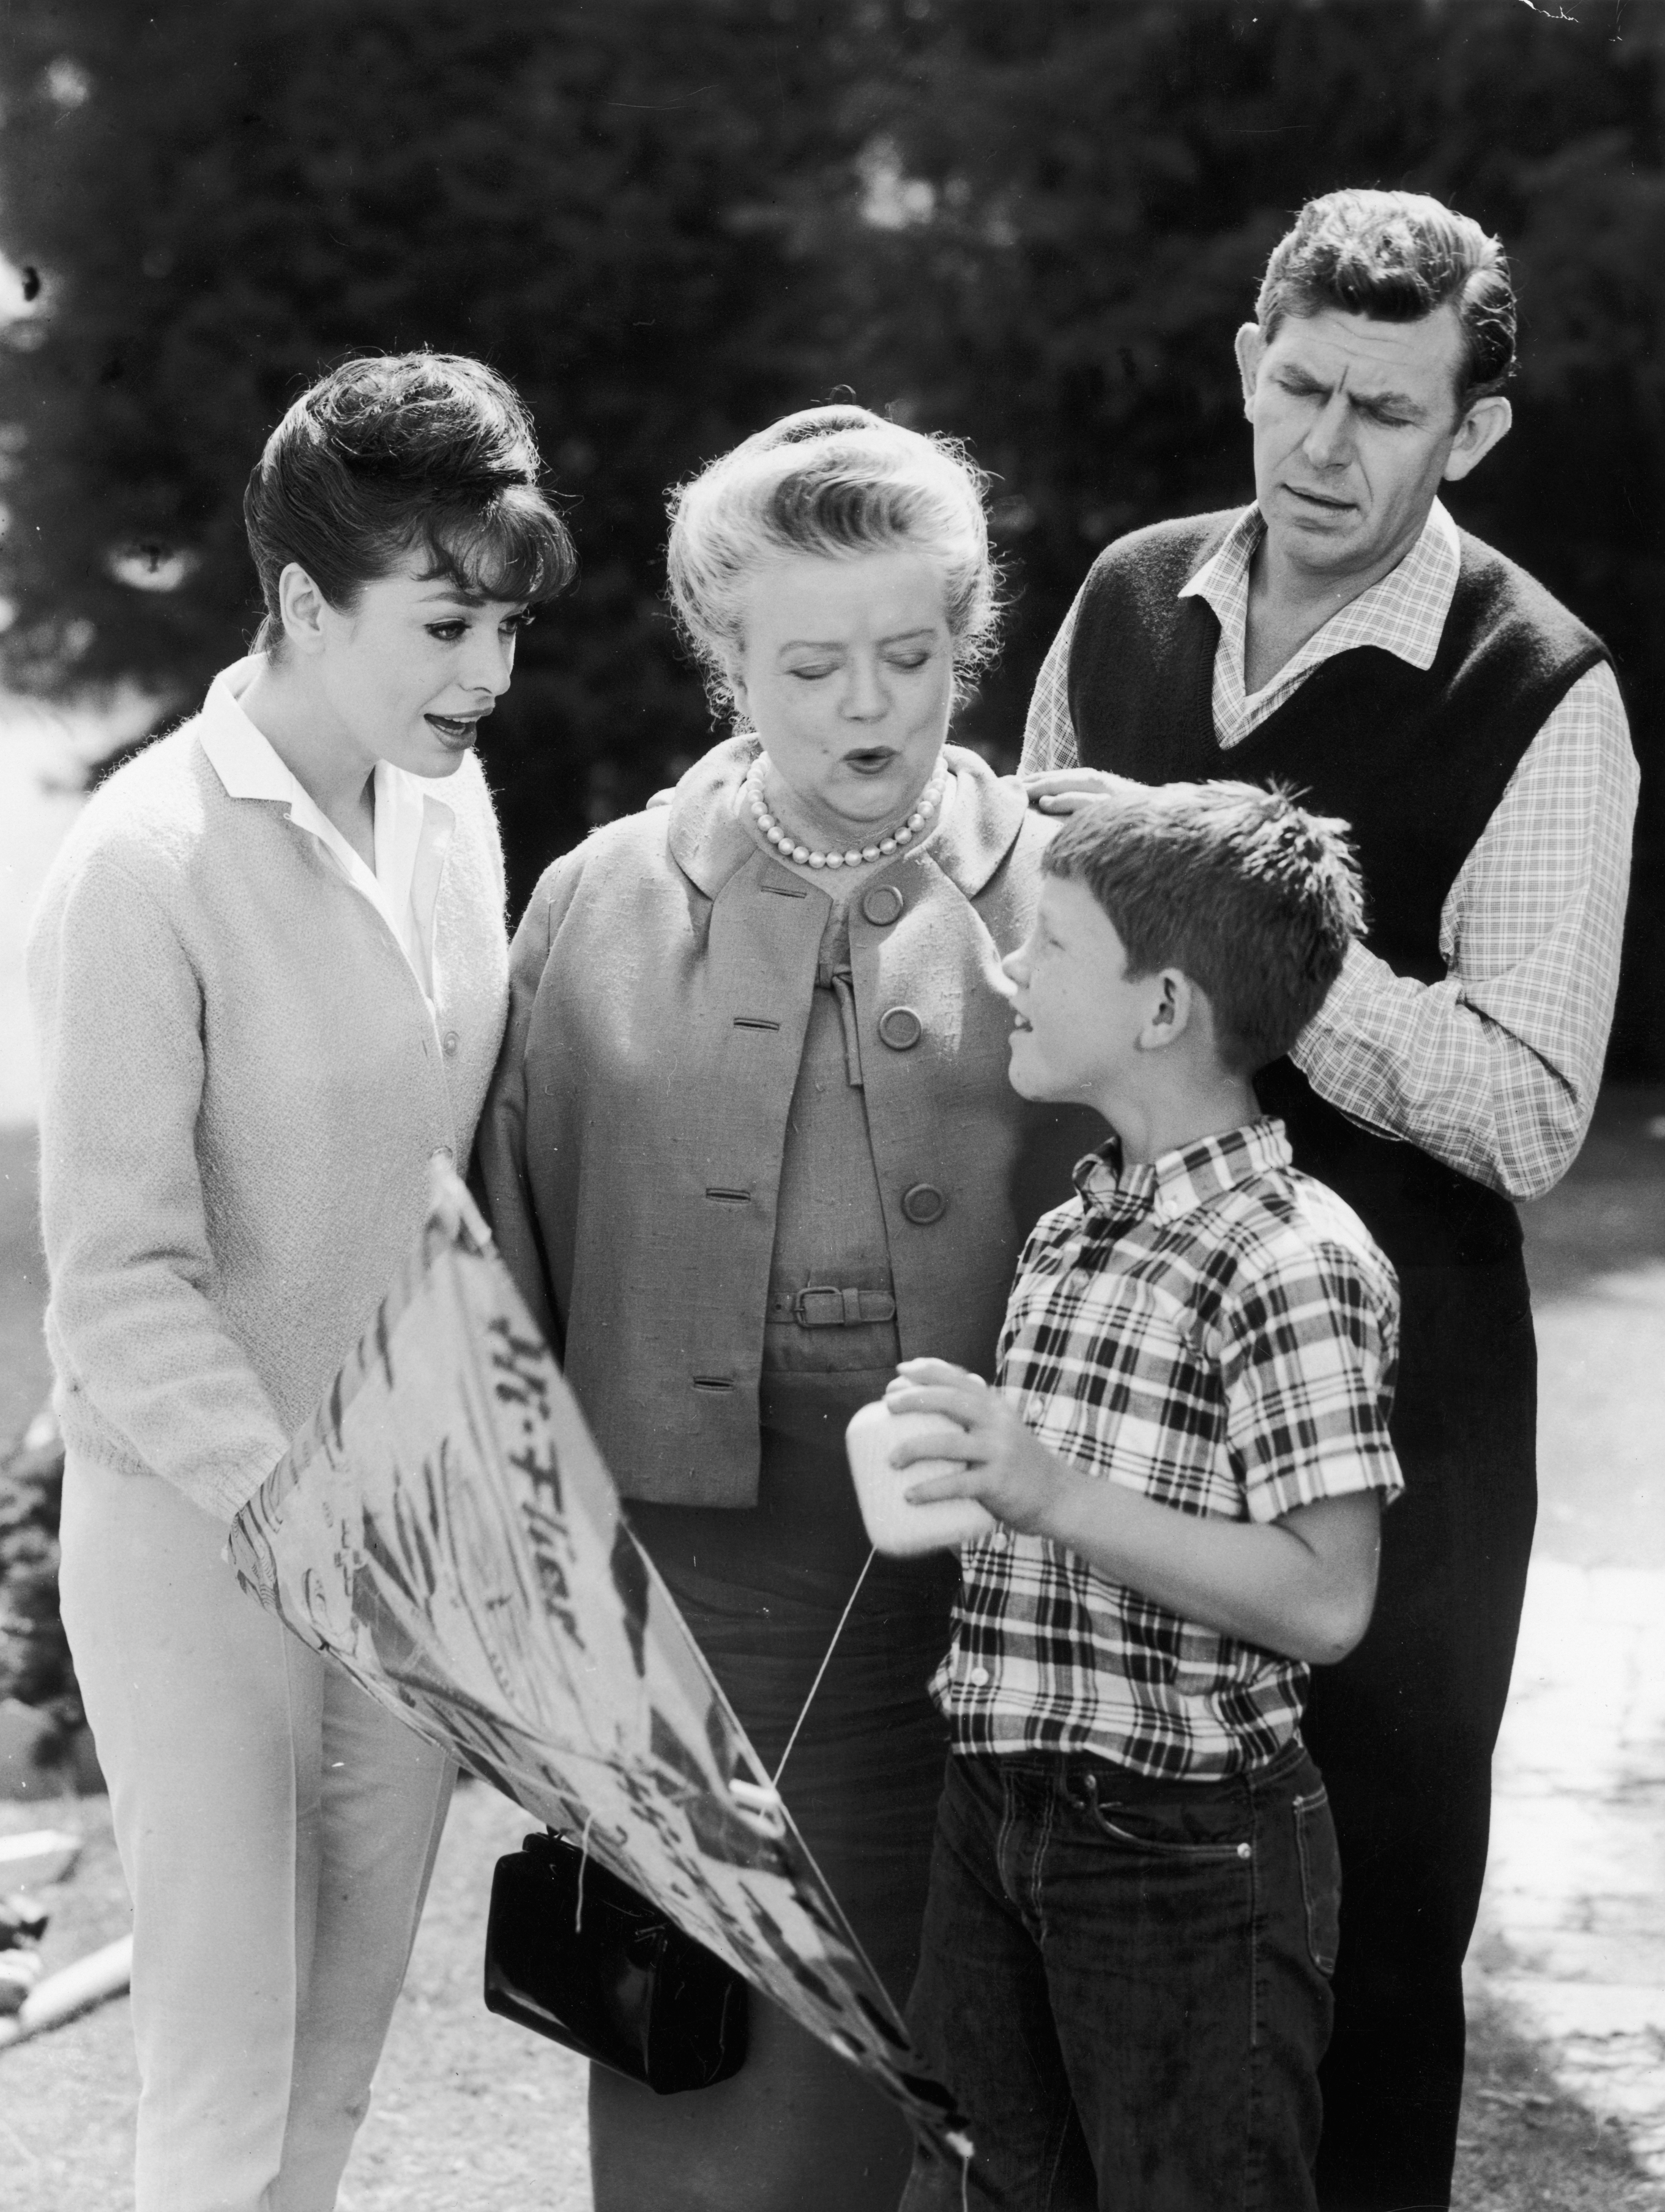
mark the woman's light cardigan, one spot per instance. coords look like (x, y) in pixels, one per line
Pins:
(660, 990)
(242, 1088)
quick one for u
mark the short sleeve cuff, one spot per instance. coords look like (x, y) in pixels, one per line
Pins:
(1339, 1474)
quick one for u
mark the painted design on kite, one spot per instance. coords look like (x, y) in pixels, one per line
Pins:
(445, 1528)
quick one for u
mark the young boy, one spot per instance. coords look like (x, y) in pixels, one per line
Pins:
(1134, 1887)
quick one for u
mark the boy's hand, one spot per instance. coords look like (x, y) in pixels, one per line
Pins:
(1006, 1468)
(1062, 791)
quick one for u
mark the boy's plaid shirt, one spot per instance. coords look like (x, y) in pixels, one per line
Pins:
(1217, 1332)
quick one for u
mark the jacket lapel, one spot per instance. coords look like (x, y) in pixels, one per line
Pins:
(707, 840)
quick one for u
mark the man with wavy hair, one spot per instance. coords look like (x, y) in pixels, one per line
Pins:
(1342, 636)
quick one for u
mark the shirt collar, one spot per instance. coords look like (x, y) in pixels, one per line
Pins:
(1116, 1194)
(249, 766)
(1404, 613)
(244, 758)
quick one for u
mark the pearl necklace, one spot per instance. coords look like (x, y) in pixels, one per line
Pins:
(789, 849)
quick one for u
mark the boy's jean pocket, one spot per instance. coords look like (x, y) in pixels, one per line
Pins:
(1321, 1876)
(1213, 1829)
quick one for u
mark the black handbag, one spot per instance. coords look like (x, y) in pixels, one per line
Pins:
(581, 1957)
(575, 1954)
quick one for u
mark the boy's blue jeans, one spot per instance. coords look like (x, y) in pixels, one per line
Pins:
(1125, 1985)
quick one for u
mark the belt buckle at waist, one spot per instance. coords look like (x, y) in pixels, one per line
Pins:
(822, 1306)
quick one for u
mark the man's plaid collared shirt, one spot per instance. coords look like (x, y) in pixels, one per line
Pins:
(1217, 1332)
(1495, 1069)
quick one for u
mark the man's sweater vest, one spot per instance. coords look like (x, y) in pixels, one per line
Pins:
(1416, 760)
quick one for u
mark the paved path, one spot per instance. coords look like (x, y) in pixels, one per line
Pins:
(1572, 1925)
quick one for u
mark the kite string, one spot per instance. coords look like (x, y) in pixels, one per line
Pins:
(826, 1662)
(958, 2143)
(583, 1860)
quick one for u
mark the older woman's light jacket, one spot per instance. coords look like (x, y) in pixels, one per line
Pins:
(630, 1151)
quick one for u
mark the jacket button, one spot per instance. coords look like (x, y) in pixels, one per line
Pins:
(450, 1041)
(444, 1152)
(923, 1203)
(882, 904)
(900, 1028)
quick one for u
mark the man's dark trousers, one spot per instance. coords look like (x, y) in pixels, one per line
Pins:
(1403, 1731)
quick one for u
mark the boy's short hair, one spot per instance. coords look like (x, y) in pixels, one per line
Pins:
(1252, 898)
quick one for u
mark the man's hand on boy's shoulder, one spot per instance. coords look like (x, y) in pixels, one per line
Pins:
(1063, 791)
(1006, 1468)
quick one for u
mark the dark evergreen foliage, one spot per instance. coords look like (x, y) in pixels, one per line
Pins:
(666, 219)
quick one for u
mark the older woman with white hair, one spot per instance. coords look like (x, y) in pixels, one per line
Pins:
(750, 1142)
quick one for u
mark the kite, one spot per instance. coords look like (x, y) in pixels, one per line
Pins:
(447, 1530)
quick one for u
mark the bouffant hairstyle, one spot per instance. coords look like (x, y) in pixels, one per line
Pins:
(838, 481)
(1250, 897)
(395, 454)
(1398, 256)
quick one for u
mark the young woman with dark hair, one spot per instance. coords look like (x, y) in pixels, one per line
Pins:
(269, 980)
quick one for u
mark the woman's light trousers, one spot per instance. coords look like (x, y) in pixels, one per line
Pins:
(277, 1829)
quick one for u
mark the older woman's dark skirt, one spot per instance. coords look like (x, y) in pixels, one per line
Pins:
(762, 1591)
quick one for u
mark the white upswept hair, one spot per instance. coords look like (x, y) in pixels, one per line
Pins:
(838, 481)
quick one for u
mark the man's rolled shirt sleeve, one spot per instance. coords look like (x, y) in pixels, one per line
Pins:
(1495, 1069)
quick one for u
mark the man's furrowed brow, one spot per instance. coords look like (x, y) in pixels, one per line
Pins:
(1299, 377)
